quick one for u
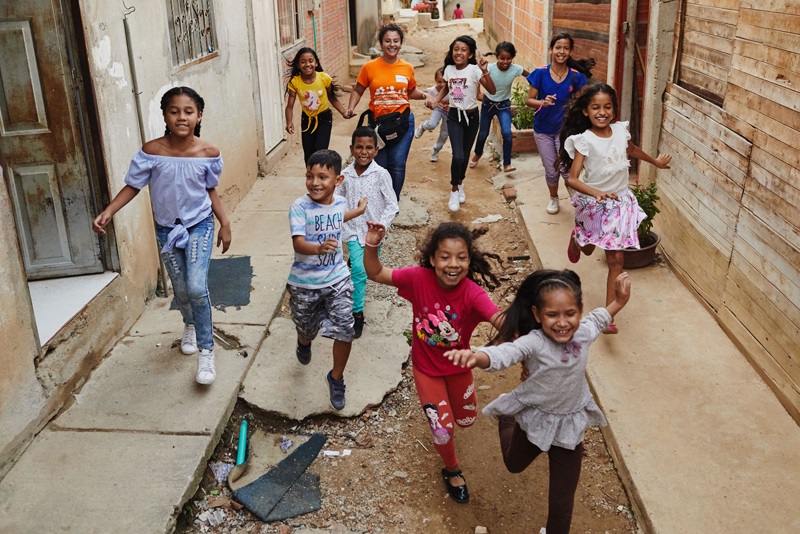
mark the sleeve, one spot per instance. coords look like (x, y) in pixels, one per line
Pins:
(391, 207)
(483, 304)
(213, 172)
(517, 70)
(365, 75)
(534, 78)
(139, 172)
(623, 127)
(326, 79)
(576, 142)
(597, 321)
(505, 355)
(448, 71)
(477, 73)
(297, 219)
(341, 189)
(291, 86)
(403, 280)
(578, 81)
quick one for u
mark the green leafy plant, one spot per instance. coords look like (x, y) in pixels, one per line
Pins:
(523, 115)
(646, 196)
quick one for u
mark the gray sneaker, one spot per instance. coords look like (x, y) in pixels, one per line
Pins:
(434, 156)
(336, 389)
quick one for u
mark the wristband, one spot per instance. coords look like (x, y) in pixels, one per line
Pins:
(367, 243)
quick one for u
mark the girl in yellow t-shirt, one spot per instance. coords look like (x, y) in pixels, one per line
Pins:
(317, 94)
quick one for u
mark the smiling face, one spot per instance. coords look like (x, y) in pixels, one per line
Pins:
(461, 54)
(600, 111)
(321, 182)
(560, 52)
(560, 314)
(439, 81)
(450, 262)
(307, 64)
(391, 44)
(364, 151)
(181, 116)
(504, 60)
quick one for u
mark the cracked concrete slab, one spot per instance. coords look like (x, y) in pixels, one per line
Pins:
(146, 385)
(529, 167)
(76, 482)
(413, 213)
(279, 384)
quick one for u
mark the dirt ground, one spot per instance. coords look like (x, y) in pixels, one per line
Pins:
(391, 482)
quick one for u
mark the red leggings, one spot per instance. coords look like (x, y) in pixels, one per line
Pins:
(447, 401)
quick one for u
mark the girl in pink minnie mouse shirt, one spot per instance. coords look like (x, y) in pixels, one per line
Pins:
(448, 304)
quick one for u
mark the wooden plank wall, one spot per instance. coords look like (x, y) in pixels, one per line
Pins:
(731, 210)
(588, 22)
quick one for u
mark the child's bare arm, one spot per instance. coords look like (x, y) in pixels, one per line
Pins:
(125, 195)
(486, 79)
(468, 358)
(435, 102)
(622, 293)
(662, 161)
(336, 103)
(362, 207)
(301, 246)
(290, 112)
(372, 264)
(224, 236)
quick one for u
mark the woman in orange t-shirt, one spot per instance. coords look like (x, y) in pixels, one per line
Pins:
(391, 86)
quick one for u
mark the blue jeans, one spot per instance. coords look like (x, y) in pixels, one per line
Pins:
(393, 157)
(502, 110)
(358, 274)
(438, 115)
(188, 271)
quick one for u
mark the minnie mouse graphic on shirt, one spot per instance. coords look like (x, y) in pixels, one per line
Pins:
(437, 327)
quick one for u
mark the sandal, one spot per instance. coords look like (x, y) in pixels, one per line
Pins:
(460, 494)
(573, 251)
(509, 168)
(611, 329)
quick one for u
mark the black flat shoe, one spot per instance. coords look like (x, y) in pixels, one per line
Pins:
(303, 353)
(460, 494)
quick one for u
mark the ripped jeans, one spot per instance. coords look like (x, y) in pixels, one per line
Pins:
(188, 271)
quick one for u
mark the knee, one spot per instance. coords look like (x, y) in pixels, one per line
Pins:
(615, 259)
(507, 137)
(195, 291)
(514, 467)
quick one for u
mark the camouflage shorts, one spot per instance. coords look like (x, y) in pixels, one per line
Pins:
(329, 309)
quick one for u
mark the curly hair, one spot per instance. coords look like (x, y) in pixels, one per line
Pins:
(518, 319)
(480, 270)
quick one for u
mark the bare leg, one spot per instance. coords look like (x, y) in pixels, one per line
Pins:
(553, 190)
(614, 259)
(341, 353)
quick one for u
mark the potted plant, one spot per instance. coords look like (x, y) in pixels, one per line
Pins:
(522, 120)
(646, 196)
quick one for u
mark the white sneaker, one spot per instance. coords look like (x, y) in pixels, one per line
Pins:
(189, 340)
(552, 205)
(418, 132)
(206, 373)
(461, 196)
(434, 156)
(453, 204)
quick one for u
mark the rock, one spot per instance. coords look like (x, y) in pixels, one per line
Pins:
(481, 530)
(400, 474)
(509, 192)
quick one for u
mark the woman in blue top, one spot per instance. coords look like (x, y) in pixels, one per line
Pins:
(552, 86)
(183, 173)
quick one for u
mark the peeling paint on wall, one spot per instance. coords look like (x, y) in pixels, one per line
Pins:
(155, 118)
(101, 55)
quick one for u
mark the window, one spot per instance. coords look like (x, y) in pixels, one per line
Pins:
(290, 22)
(191, 30)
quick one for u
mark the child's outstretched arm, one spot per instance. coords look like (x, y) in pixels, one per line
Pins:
(290, 112)
(486, 79)
(362, 207)
(431, 104)
(125, 195)
(336, 103)
(622, 293)
(573, 181)
(662, 161)
(372, 264)
(224, 236)
(468, 358)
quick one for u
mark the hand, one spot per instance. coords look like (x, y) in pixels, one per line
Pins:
(330, 245)
(429, 104)
(349, 113)
(549, 100)
(480, 97)
(362, 205)
(622, 289)
(524, 373)
(100, 222)
(462, 358)
(482, 63)
(662, 161)
(601, 196)
(290, 129)
(375, 233)
(224, 237)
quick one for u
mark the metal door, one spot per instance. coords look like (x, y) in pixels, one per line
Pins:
(270, 66)
(41, 142)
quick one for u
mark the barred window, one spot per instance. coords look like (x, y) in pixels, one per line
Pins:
(290, 22)
(191, 29)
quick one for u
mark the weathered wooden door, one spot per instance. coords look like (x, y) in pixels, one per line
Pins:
(41, 143)
(270, 66)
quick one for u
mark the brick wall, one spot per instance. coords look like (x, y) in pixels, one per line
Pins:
(524, 23)
(333, 37)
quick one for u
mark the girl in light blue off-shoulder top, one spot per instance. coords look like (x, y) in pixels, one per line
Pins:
(553, 407)
(183, 173)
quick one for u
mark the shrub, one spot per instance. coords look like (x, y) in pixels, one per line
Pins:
(646, 196)
(523, 115)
